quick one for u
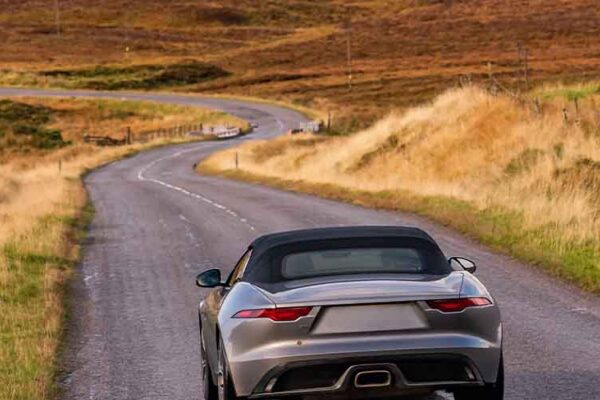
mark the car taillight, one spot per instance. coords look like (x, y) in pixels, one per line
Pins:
(276, 314)
(456, 305)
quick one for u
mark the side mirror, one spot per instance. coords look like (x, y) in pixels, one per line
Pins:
(464, 263)
(209, 279)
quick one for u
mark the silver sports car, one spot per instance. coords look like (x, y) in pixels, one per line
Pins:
(352, 312)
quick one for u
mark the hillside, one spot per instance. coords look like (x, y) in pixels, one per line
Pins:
(523, 179)
(403, 52)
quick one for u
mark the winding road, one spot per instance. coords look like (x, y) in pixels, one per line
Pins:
(134, 333)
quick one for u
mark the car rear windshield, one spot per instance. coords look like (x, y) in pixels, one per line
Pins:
(351, 261)
(346, 257)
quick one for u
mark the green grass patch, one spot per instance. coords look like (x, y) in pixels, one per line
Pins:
(192, 15)
(143, 77)
(37, 271)
(25, 124)
(575, 92)
(13, 113)
(501, 229)
(526, 160)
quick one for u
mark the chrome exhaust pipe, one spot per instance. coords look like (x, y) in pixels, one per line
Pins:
(372, 379)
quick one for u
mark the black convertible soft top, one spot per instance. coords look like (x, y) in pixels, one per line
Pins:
(346, 232)
(269, 250)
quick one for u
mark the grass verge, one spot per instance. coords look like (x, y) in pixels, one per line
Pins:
(520, 175)
(35, 267)
(498, 228)
(44, 211)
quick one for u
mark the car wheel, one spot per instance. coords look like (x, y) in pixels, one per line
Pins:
(492, 391)
(225, 388)
(209, 389)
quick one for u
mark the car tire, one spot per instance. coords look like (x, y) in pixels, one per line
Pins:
(209, 389)
(225, 388)
(490, 391)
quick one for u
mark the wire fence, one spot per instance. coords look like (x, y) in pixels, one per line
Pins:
(572, 108)
(178, 131)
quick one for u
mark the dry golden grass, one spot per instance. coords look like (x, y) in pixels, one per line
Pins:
(490, 152)
(37, 249)
(41, 209)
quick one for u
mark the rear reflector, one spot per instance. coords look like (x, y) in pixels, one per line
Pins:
(457, 305)
(276, 314)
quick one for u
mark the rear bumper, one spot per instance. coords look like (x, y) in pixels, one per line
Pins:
(451, 360)
(394, 376)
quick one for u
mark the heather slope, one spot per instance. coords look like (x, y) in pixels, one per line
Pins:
(403, 52)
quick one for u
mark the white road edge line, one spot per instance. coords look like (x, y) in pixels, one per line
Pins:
(141, 177)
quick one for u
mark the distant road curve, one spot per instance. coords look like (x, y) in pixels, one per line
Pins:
(134, 331)
(276, 117)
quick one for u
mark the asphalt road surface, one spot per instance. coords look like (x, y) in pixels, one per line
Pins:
(134, 330)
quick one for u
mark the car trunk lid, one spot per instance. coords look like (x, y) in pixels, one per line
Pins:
(365, 290)
(355, 304)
